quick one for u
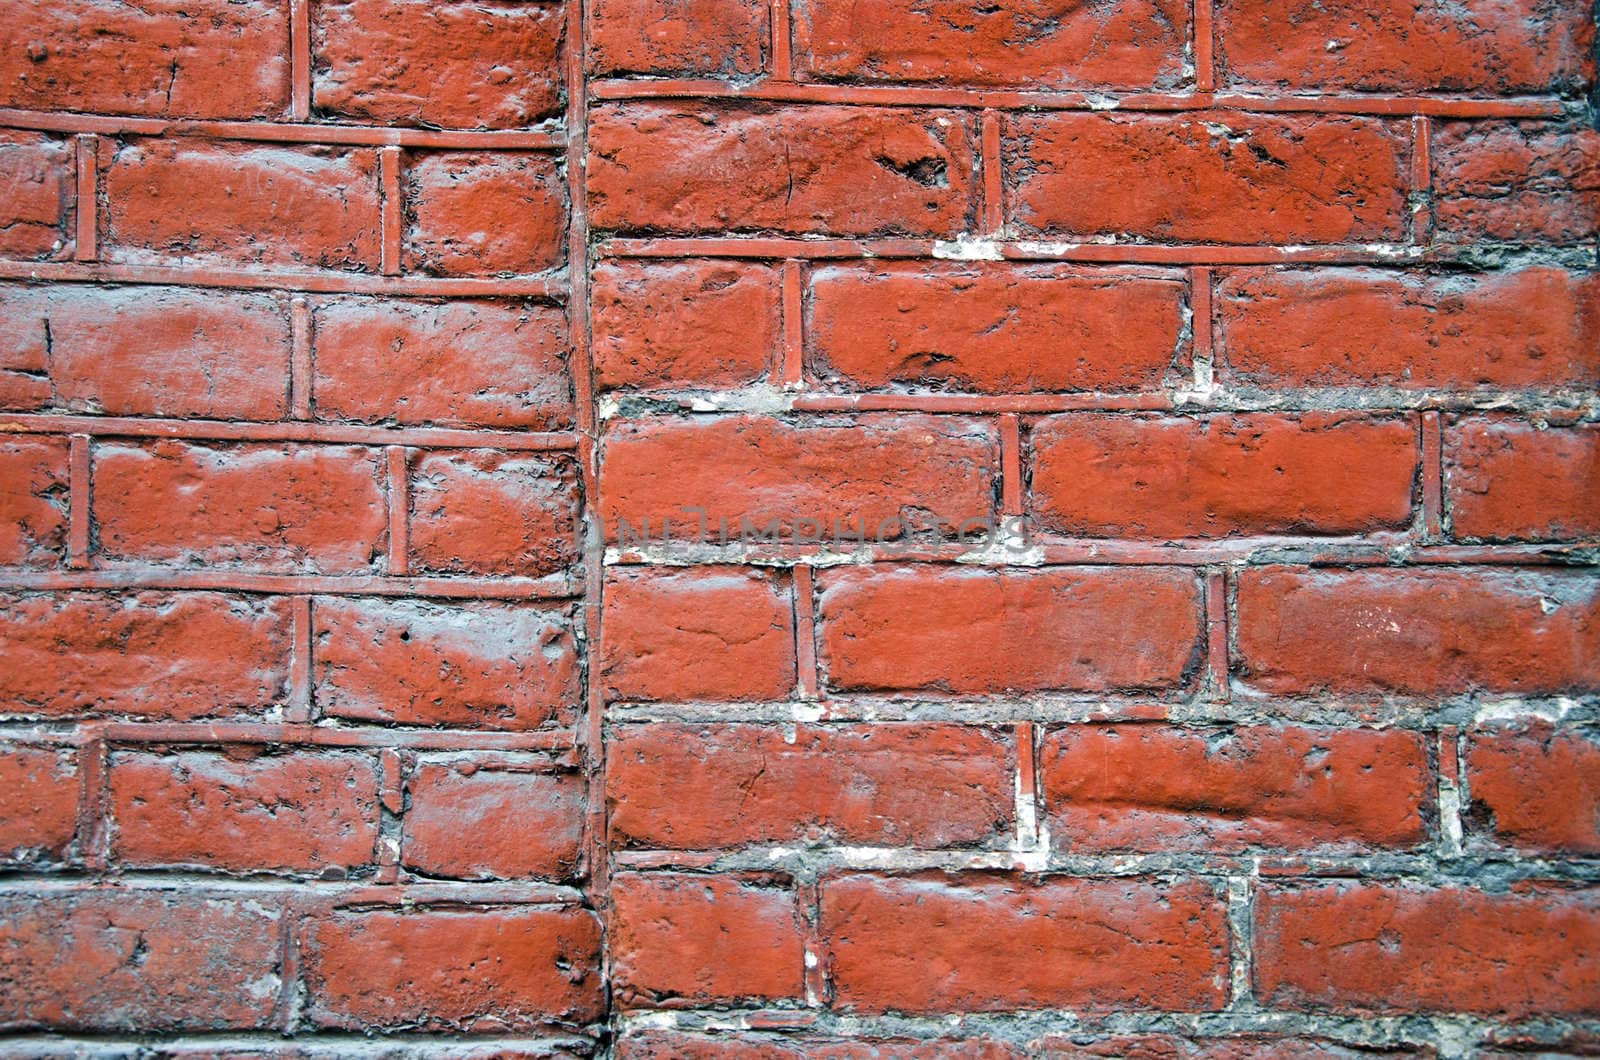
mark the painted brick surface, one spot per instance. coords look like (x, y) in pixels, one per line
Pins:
(799, 528)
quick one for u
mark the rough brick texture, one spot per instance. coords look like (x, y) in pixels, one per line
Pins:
(857, 529)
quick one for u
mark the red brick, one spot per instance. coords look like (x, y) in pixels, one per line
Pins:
(450, 364)
(708, 38)
(994, 329)
(156, 655)
(197, 203)
(269, 506)
(1401, 947)
(875, 476)
(479, 214)
(1111, 788)
(155, 351)
(1225, 178)
(38, 803)
(1104, 475)
(706, 633)
(476, 511)
(24, 349)
(1485, 47)
(1014, 43)
(245, 811)
(845, 171)
(682, 325)
(467, 970)
(455, 66)
(479, 665)
(963, 630)
(697, 787)
(1530, 327)
(35, 192)
(1534, 788)
(1515, 182)
(981, 942)
(464, 821)
(1432, 632)
(701, 940)
(33, 501)
(161, 58)
(138, 960)
(651, 1044)
(1510, 480)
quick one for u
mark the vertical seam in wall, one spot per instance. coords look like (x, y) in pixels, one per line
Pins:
(807, 678)
(1205, 77)
(808, 896)
(391, 804)
(994, 213)
(79, 492)
(793, 375)
(286, 1004)
(782, 44)
(299, 706)
(1202, 340)
(1421, 179)
(92, 830)
(389, 208)
(300, 367)
(399, 497)
(86, 205)
(1241, 897)
(1432, 478)
(1032, 845)
(1217, 633)
(1010, 464)
(1449, 792)
(299, 59)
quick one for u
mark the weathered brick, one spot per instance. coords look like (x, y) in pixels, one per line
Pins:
(193, 202)
(1017, 43)
(876, 476)
(458, 65)
(1403, 947)
(151, 351)
(245, 811)
(995, 329)
(33, 501)
(702, 940)
(470, 970)
(1515, 182)
(156, 655)
(1221, 1047)
(466, 820)
(650, 1044)
(706, 633)
(269, 506)
(1534, 788)
(38, 803)
(1104, 475)
(981, 942)
(161, 58)
(712, 38)
(138, 960)
(1480, 46)
(836, 170)
(1111, 788)
(1225, 178)
(35, 193)
(450, 364)
(1530, 327)
(967, 631)
(699, 787)
(1510, 480)
(476, 511)
(683, 325)
(410, 662)
(478, 214)
(1430, 632)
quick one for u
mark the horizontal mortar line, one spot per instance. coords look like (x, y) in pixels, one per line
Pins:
(284, 132)
(1041, 250)
(1421, 713)
(557, 742)
(312, 891)
(1388, 550)
(274, 1042)
(812, 860)
(286, 431)
(1003, 99)
(563, 586)
(544, 288)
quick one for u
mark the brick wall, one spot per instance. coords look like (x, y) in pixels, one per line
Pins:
(889, 528)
